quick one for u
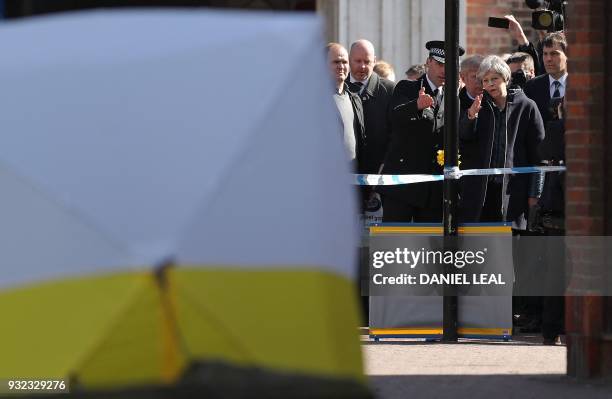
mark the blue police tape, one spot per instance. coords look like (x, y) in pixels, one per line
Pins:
(449, 174)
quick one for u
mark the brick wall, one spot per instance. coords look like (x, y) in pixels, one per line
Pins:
(484, 40)
(588, 139)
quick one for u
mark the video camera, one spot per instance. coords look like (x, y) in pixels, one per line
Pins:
(518, 78)
(550, 15)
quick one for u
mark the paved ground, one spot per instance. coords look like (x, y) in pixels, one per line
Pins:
(473, 369)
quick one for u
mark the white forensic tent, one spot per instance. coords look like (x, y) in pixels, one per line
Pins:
(175, 193)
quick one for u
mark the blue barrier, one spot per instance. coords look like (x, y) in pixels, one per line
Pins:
(449, 174)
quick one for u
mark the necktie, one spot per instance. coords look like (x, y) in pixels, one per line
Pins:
(436, 98)
(358, 86)
(557, 84)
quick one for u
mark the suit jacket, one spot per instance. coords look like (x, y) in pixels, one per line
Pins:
(376, 99)
(538, 89)
(465, 102)
(415, 140)
(524, 133)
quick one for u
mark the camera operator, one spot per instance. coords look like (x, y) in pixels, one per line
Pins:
(522, 68)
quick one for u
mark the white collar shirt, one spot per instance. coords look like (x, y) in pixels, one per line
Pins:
(562, 86)
(364, 83)
(432, 86)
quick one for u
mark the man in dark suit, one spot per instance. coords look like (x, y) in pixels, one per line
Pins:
(547, 90)
(552, 84)
(541, 90)
(417, 135)
(375, 93)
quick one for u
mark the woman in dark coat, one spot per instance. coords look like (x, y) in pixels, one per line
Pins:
(502, 128)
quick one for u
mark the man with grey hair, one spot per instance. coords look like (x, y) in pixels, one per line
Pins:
(473, 86)
(375, 93)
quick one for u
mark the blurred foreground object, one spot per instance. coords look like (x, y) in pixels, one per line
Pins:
(166, 231)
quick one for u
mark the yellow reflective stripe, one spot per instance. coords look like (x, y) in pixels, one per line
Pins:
(406, 331)
(438, 331)
(485, 229)
(404, 230)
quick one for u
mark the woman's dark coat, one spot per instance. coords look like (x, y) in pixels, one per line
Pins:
(524, 133)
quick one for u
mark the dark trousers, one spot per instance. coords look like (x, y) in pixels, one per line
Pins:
(553, 316)
(492, 209)
(553, 307)
(526, 258)
(396, 210)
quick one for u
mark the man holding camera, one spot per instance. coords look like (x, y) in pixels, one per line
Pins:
(522, 68)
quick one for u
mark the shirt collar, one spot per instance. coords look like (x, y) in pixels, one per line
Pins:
(343, 92)
(431, 85)
(561, 80)
(364, 82)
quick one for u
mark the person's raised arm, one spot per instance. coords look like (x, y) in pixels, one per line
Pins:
(516, 30)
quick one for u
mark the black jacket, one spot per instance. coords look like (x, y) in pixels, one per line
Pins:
(536, 54)
(524, 133)
(465, 101)
(376, 99)
(467, 150)
(415, 141)
(358, 126)
(553, 150)
(538, 89)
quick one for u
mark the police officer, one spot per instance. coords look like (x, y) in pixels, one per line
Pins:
(417, 121)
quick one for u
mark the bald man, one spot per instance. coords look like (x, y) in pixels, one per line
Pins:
(375, 93)
(349, 105)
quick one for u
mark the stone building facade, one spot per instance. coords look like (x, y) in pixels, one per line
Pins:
(400, 28)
